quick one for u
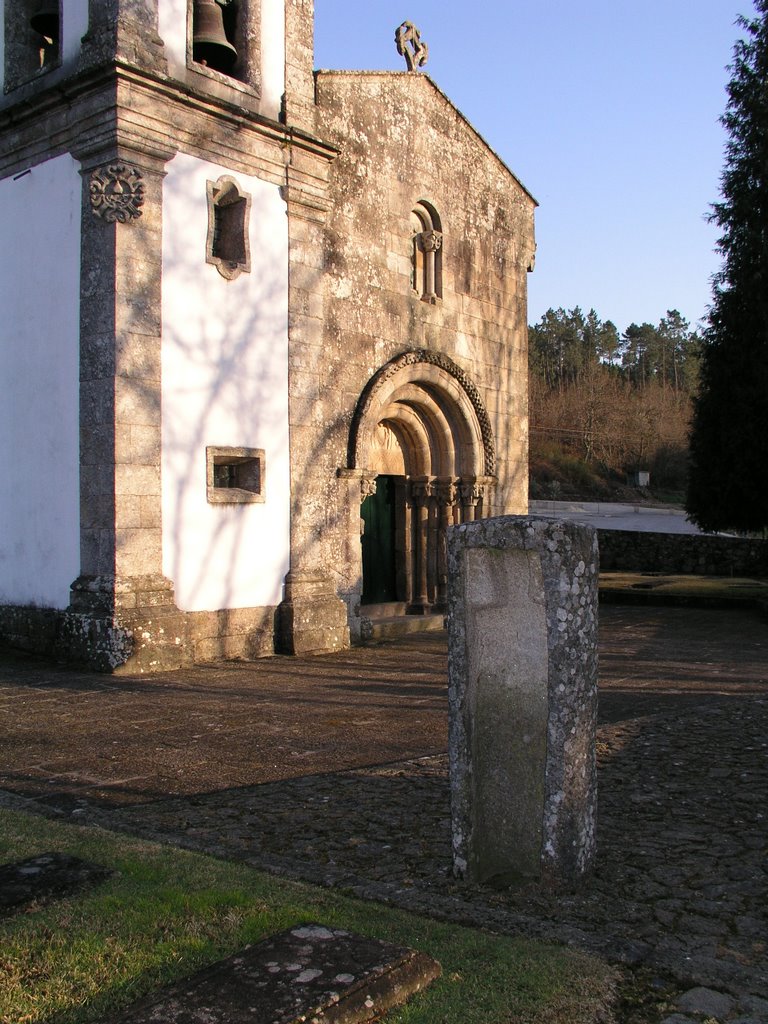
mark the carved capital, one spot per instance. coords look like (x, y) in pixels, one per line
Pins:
(446, 492)
(422, 491)
(367, 486)
(431, 241)
(471, 493)
(117, 192)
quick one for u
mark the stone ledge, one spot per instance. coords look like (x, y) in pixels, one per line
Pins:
(307, 973)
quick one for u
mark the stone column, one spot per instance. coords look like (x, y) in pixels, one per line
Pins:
(471, 493)
(445, 490)
(522, 629)
(421, 494)
(357, 485)
(431, 241)
(122, 610)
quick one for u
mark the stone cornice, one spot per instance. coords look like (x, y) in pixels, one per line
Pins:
(100, 110)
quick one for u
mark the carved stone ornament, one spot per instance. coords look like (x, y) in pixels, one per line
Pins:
(413, 358)
(410, 46)
(431, 240)
(367, 485)
(117, 193)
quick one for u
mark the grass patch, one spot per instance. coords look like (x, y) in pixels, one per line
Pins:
(168, 912)
(723, 588)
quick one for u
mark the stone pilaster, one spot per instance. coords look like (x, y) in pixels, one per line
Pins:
(300, 108)
(124, 31)
(122, 611)
(313, 618)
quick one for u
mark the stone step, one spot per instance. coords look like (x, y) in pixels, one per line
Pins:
(307, 973)
(392, 626)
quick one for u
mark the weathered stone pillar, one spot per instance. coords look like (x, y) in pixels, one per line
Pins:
(122, 610)
(124, 30)
(522, 600)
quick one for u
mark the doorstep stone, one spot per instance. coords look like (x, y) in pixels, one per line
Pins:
(305, 975)
(47, 876)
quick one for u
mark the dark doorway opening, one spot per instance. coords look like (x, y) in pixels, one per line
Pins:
(378, 514)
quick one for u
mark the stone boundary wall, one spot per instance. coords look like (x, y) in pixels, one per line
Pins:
(688, 554)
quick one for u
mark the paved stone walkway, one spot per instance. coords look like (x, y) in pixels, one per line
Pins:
(681, 887)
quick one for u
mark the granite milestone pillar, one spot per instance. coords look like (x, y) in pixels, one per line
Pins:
(522, 601)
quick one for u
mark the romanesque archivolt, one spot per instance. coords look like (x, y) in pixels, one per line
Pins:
(426, 358)
(117, 193)
(410, 46)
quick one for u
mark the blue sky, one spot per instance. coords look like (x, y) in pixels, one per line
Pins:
(608, 113)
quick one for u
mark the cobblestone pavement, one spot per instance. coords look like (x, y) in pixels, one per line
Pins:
(681, 886)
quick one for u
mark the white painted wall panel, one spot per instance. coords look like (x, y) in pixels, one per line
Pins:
(272, 57)
(172, 29)
(39, 359)
(225, 382)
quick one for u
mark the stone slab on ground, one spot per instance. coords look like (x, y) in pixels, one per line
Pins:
(310, 974)
(45, 877)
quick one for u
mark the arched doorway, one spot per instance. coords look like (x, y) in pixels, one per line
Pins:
(422, 442)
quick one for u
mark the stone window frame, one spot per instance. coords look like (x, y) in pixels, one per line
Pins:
(249, 464)
(24, 59)
(426, 253)
(246, 72)
(227, 245)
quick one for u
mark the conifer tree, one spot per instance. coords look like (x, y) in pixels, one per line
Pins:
(728, 485)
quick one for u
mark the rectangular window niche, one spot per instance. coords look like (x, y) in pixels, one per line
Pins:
(234, 475)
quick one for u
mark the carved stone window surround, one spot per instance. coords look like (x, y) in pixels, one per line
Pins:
(234, 475)
(228, 241)
(426, 253)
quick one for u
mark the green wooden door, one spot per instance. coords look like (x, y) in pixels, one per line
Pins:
(378, 515)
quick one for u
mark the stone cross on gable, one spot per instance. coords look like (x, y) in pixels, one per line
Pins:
(410, 46)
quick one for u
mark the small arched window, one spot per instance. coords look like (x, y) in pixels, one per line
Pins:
(426, 252)
(227, 246)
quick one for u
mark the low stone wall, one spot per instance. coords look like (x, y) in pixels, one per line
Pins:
(687, 554)
(105, 644)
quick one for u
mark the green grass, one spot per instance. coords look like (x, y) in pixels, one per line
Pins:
(719, 588)
(167, 912)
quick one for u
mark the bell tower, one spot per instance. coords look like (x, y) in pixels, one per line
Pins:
(156, 158)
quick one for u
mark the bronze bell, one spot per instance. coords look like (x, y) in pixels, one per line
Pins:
(210, 45)
(45, 20)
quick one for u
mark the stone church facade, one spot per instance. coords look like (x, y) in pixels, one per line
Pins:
(264, 334)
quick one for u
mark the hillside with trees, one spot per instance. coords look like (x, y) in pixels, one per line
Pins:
(604, 405)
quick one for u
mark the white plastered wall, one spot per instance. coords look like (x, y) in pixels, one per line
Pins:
(39, 360)
(225, 383)
(272, 57)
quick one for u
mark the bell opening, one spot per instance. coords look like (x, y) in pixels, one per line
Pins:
(213, 27)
